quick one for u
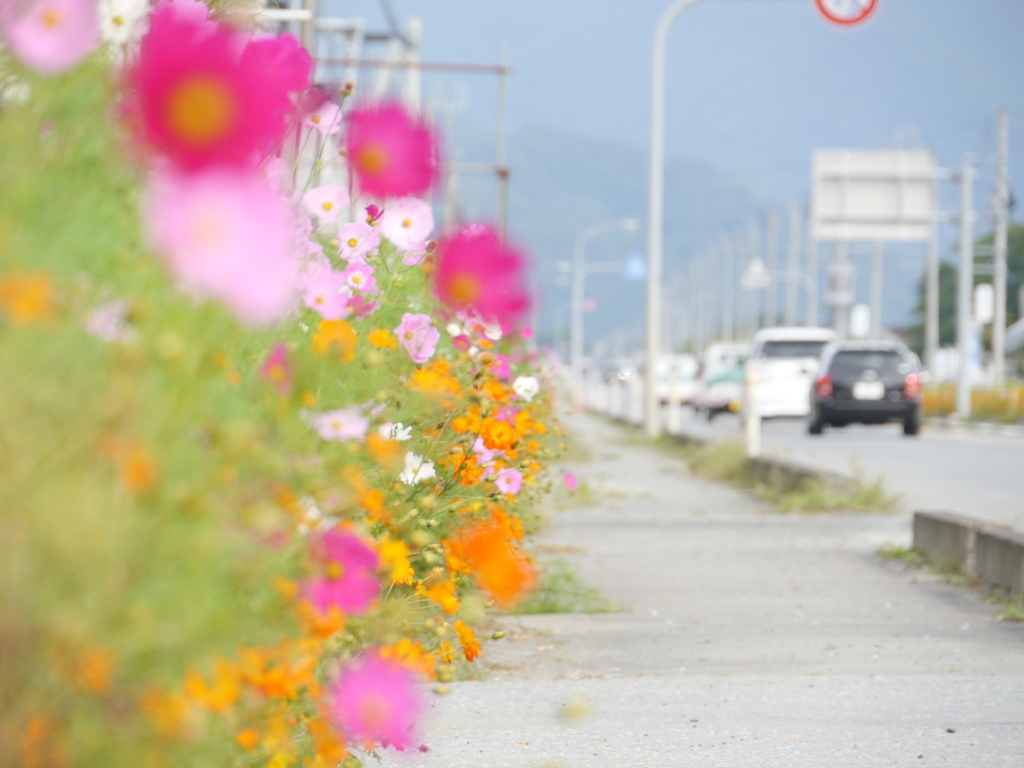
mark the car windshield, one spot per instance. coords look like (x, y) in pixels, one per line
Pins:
(855, 362)
(794, 348)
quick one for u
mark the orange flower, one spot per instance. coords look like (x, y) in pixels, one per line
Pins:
(41, 745)
(27, 297)
(330, 750)
(138, 469)
(335, 336)
(382, 338)
(442, 593)
(467, 639)
(445, 652)
(411, 656)
(166, 711)
(499, 567)
(388, 452)
(435, 380)
(248, 739)
(220, 694)
(395, 555)
(497, 435)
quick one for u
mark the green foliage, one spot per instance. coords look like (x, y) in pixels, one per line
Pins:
(948, 293)
(561, 591)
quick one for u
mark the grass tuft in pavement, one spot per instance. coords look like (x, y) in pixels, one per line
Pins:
(727, 462)
(561, 591)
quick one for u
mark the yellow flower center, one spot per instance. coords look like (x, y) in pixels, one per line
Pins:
(373, 159)
(327, 205)
(117, 21)
(201, 110)
(335, 570)
(352, 242)
(406, 223)
(315, 119)
(53, 18)
(376, 711)
(408, 335)
(464, 288)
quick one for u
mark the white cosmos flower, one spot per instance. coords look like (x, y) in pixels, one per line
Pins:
(397, 431)
(417, 469)
(122, 22)
(526, 387)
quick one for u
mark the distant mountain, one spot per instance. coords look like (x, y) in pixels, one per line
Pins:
(563, 182)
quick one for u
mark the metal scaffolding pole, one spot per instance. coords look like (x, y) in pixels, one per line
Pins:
(877, 254)
(811, 307)
(771, 253)
(728, 286)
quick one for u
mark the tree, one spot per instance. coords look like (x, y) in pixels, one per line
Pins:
(947, 292)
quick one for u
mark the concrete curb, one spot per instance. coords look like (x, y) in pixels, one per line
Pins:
(950, 424)
(990, 552)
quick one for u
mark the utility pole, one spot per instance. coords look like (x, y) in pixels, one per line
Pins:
(728, 284)
(501, 152)
(792, 265)
(840, 298)
(964, 287)
(931, 299)
(771, 252)
(754, 233)
(877, 254)
(1001, 207)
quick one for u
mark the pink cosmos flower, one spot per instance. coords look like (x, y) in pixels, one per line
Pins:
(274, 172)
(360, 277)
(407, 223)
(277, 369)
(341, 424)
(500, 367)
(50, 36)
(362, 307)
(357, 239)
(348, 583)
(526, 332)
(462, 342)
(227, 237)
(373, 213)
(325, 292)
(326, 202)
(376, 701)
(478, 271)
(110, 322)
(418, 336)
(325, 118)
(570, 481)
(485, 455)
(509, 480)
(392, 153)
(279, 59)
(191, 99)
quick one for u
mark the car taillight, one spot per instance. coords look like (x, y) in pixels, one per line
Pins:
(824, 386)
(912, 387)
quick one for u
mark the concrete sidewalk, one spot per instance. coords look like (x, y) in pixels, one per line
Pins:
(748, 639)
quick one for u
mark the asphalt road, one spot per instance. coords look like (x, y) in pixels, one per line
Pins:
(745, 639)
(976, 475)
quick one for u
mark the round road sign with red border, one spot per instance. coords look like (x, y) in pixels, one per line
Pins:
(846, 12)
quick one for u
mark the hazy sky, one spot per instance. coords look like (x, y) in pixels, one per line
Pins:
(753, 85)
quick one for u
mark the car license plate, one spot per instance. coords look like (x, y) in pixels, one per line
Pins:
(868, 390)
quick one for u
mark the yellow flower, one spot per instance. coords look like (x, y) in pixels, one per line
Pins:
(335, 336)
(395, 555)
(27, 298)
(382, 338)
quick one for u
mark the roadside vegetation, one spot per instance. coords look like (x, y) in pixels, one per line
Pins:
(1004, 406)
(560, 590)
(787, 492)
(950, 571)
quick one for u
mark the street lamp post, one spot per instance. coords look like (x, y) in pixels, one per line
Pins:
(578, 275)
(655, 209)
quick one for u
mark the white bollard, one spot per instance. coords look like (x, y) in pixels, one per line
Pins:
(753, 428)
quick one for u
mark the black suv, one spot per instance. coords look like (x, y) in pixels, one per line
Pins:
(870, 382)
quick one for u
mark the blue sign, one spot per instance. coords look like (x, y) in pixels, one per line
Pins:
(635, 268)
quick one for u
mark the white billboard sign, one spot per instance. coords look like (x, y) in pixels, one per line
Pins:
(874, 195)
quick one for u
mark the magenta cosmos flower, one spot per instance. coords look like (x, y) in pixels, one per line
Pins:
(50, 36)
(418, 336)
(348, 582)
(509, 480)
(376, 701)
(191, 98)
(325, 291)
(225, 236)
(475, 270)
(392, 153)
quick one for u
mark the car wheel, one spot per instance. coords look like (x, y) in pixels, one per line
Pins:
(815, 426)
(911, 426)
(710, 414)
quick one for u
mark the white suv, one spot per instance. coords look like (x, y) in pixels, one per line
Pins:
(780, 369)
